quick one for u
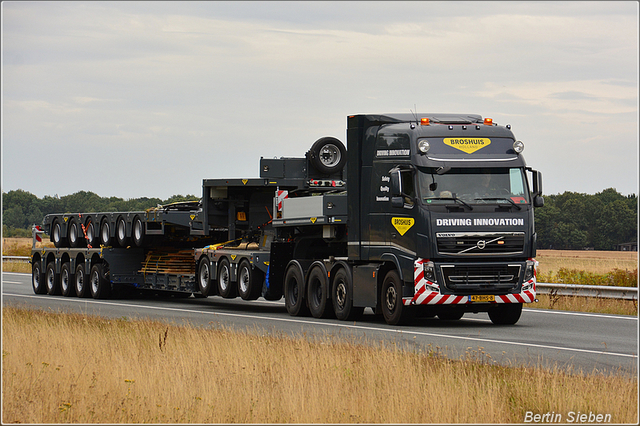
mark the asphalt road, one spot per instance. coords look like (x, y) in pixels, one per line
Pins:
(567, 340)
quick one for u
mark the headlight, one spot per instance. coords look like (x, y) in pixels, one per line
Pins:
(530, 270)
(518, 146)
(429, 271)
(423, 146)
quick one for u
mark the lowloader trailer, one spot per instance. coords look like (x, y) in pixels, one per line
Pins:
(421, 214)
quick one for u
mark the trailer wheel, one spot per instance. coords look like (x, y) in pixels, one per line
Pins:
(249, 281)
(72, 233)
(105, 233)
(37, 281)
(342, 297)
(80, 282)
(92, 236)
(52, 280)
(506, 314)
(294, 292)
(121, 232)
(66, 283)
(450, 315)
(56, 234)
(138, 231)
(225, 289)
(393, 310)
(100, 287)
(318, 292)
(328, 155)
(204, 277)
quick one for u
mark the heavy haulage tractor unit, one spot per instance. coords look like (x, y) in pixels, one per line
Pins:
(422, 214)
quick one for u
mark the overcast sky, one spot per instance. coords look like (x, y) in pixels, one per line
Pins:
(146, 99)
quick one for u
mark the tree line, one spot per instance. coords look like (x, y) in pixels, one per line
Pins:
(568, 221)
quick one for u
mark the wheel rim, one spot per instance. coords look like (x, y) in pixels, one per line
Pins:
(90, 232)
(121, 230)
(244, 280)
(224, 278)
(36, 278)
(50, 280)
(79, 281)
(330, 155)
(56, 233)
(95, 282)
(137, 230)
(105, 232)
(204, 276)
(341, 294)
(293, 291)
(73, 233)
(391, 298)
(64, 280)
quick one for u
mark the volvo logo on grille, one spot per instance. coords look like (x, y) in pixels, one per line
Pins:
(481, 244)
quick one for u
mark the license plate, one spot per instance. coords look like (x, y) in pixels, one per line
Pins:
(483, 298)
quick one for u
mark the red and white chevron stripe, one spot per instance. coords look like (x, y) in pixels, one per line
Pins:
(424, 296)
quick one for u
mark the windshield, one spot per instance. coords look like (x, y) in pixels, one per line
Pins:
(473, 186)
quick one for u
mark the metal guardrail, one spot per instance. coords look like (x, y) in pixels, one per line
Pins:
(22, 259)
(607, 292)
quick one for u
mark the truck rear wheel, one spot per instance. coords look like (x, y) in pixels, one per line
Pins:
(342, 297)
(52, 279)
(121, 232)
(74, 230)
(57, 235)
(328, 155)
(100, 287)
(294, 292)
(393, 310)
(249, 281)
(225, 288)
(80, 281)
(66, 283)
(318, 293)
(506, 314)
(37, 281)
(204, 277)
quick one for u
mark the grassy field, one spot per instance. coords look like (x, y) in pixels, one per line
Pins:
(69, 368)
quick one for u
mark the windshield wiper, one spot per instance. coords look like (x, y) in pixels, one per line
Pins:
(451, 198)
(500, 198)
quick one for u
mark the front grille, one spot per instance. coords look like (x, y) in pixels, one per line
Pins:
(469, 279)
(480, 243)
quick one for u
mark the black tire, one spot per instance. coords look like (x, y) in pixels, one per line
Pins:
(506, 314)
(137, 231)
(294, 299)
(204, 277)
(393, 310)
(52, 280)
(342, 297)
(37, 278)
(105, 233)
(81, 283)
(93, 240)
(100, 286)
(328, 155)
(57, 237)
(318, 293)
(67, 286)
(225, 288)
(73, 234)
(121, 232)
(249, 281)
(450, 315)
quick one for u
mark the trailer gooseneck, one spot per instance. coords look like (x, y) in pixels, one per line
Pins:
(427, 214)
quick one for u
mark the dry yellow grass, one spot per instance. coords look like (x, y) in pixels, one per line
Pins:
(597, 262)
(60, 368)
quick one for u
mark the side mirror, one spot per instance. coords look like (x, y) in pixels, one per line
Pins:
(396, 182)
(538, 201)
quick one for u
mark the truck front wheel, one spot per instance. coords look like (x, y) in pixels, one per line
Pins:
(393, 310)
(506, 314)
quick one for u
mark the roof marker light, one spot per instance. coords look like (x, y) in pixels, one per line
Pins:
(488, 121)
(424, 121)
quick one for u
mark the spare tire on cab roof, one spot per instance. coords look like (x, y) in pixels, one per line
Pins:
(328, 155)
